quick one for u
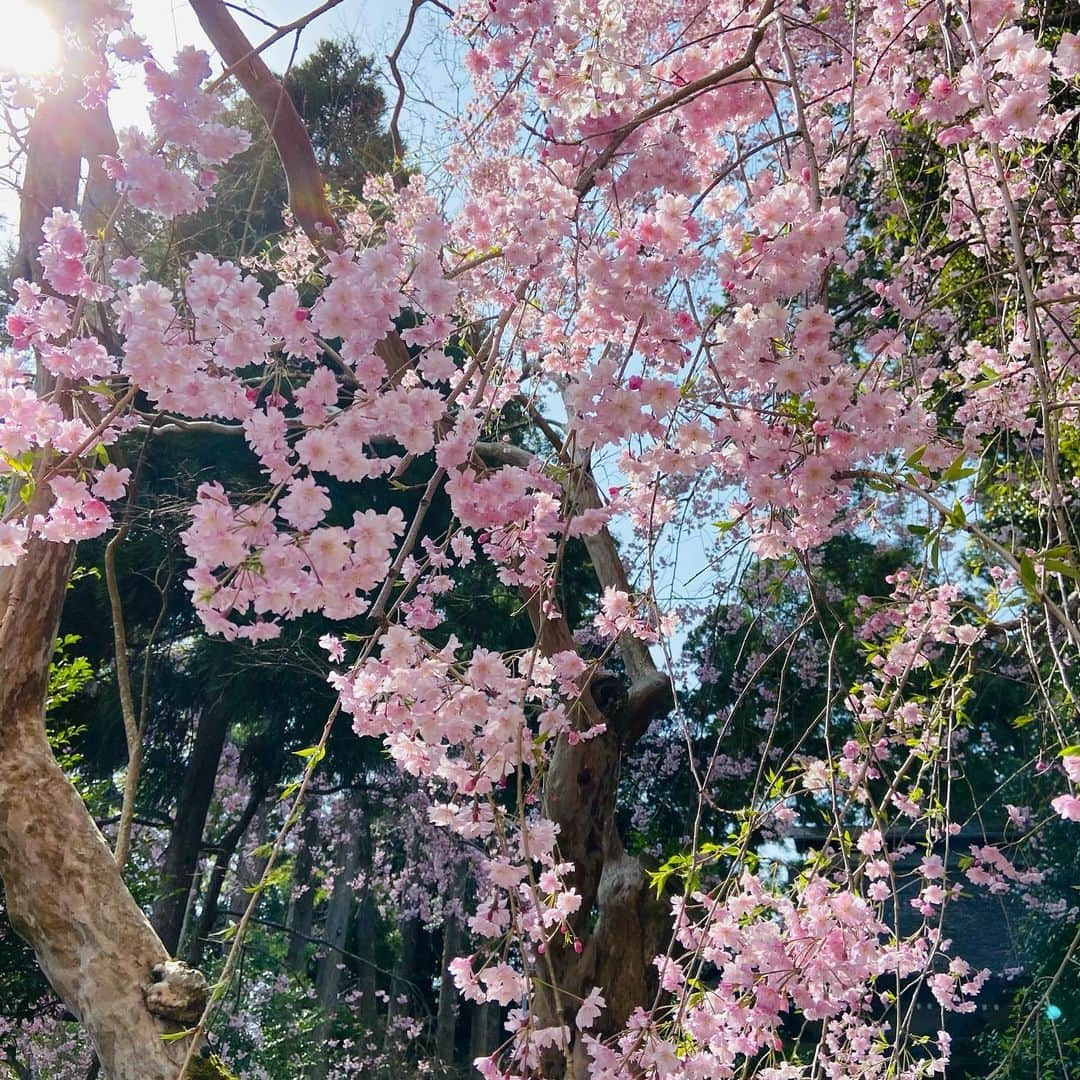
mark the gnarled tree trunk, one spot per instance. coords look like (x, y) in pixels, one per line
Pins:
(621, 924)
(63, 890)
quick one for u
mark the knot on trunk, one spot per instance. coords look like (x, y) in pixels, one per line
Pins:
(630, 711)
(176, 992)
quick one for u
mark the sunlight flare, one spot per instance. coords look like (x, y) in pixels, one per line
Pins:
(29, 44)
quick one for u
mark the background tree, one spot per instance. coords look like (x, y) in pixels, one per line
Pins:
(336, 92)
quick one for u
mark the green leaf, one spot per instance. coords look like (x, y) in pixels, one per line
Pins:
(312, 754)
(1028, 578)
(989, 377)
(176, 1036)
(956, 516)
(915, 457)
(1059, 566)
(278, 878)
(957, 471)
(21, 465)
(659, 879)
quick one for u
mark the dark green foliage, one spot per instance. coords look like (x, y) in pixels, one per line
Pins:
(336, 92)
(774, 635)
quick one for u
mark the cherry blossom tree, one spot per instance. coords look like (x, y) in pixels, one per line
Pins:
(757, 276)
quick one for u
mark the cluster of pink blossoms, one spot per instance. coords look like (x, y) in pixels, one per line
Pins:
(464, 724)
(185, 126)
(821, 954)
(1068, 806)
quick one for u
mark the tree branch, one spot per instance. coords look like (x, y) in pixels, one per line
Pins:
(307, 194)
(281, 31)
(587, 178)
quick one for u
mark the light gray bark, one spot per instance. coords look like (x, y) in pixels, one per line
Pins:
(63, 890)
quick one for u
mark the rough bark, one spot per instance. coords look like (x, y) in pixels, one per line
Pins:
(99, 193)
(402, 983)
(53, 160)
(192, 806)
(301, 917)
(486, 1030)
(447, 1013)
(63, 891)
(307, 196)
(621, 924)
(404, 976)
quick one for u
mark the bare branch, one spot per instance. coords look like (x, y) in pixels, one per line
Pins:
(399, 103)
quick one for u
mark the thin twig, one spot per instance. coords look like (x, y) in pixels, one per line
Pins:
(276, 36)
(133, 724)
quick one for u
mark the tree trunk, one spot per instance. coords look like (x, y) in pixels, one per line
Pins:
(307, 196)
(182, 854)
(335, 934)
(252, 862)
(365, 929)
(621, 924)
(446, 1015)
(402, 981)
(226, 850)
(301, 917)
(485, 1030)
(63, 890)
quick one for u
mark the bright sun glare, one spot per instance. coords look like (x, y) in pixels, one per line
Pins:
(28, 43)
